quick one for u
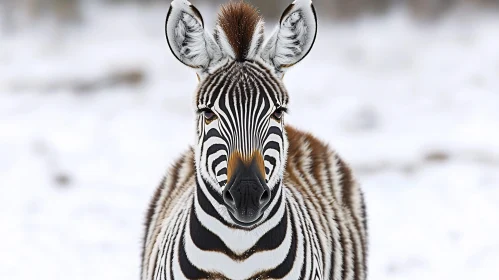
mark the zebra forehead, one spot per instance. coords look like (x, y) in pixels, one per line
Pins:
(241, 82)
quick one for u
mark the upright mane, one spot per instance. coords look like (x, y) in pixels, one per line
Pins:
(239, 21)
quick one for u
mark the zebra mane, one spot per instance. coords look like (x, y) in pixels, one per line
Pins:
(239, 30)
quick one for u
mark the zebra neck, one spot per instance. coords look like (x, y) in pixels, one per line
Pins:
(211, 232)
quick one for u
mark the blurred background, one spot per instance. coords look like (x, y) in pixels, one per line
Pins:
(94, 108)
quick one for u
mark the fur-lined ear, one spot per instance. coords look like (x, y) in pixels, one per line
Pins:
(293, 38)
(188, 40)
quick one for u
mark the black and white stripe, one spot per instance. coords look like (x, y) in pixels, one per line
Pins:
(244, 96)
(315, 230)
(314, 224)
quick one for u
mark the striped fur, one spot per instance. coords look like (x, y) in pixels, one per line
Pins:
(254, 198)
(323, 204)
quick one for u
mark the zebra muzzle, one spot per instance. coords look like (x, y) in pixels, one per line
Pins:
(246, 195)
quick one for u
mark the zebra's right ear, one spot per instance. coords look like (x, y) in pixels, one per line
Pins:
(188, 40)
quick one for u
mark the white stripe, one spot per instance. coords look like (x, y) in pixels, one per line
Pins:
(221, 263)
(239, 240)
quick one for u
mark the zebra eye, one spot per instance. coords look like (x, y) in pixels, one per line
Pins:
(278, 113)
(208, 114)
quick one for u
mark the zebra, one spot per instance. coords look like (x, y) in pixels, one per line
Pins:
(253, 198)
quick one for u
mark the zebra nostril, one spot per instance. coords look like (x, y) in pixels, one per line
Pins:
(229, 199)
(264, 198)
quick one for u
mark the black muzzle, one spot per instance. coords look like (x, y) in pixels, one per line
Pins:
(246, 195)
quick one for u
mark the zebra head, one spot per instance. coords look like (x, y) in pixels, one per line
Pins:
(241, 101)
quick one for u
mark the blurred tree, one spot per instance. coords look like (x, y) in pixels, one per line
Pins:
(347, 9)
(431, 9)
(66, 10)
(270, 10)
(21, 13)
(484, 2)
(379, 6)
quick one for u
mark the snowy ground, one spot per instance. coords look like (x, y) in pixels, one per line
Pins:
(91, 117)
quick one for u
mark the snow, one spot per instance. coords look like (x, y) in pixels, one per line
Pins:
(412, 107)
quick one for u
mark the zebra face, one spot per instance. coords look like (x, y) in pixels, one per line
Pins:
(241, 149)
(241, 140)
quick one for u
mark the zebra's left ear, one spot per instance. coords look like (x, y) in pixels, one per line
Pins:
(293, 38)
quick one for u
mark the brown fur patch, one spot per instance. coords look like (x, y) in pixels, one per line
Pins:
(239, 20)
(296, 138)
(169, 186)
(236, 158)
(150, 212)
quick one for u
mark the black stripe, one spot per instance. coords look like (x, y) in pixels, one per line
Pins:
(273, 238)
(216, 162)
(272, 145)
(189, 270)
(217, 196)
(270, 159)
(222, 171)
(276, 131)
(215, 148)
(212, 133)
(208, 241)
(272, 162)
(172, 248)
(285, 267)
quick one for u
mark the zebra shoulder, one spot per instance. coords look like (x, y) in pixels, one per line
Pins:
(318, 173)
(178, 179)
(309, 157)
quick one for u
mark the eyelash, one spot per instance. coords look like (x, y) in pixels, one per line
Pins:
(208, 114)
(279, 112)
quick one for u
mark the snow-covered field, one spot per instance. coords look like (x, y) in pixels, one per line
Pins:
(90, 118)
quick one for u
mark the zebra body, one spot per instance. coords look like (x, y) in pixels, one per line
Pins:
(319, 206)
(255, 198)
